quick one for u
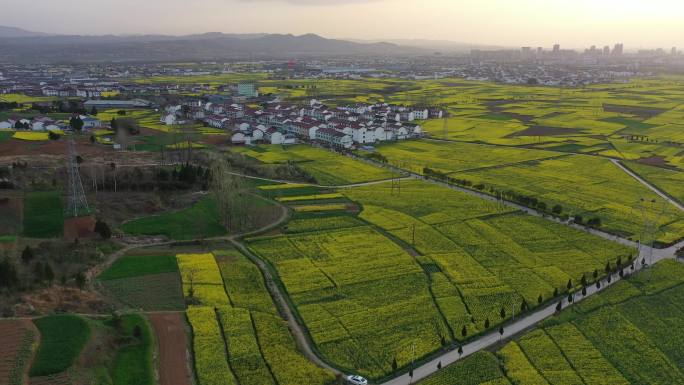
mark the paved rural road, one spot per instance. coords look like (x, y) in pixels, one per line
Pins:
(651, 255)
(647, 184)
(510, 330)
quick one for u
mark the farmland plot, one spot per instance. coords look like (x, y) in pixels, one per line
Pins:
(149, 282)
(494, 257)
(620, 340)
(328, 168)
(260, 348)
(583, 185)
(17, 339)
(362, 298)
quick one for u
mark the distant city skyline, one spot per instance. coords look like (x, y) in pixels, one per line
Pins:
(573, 24)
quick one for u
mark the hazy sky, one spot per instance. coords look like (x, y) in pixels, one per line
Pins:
(573, 23)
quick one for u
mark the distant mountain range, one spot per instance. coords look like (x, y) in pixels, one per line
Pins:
(18, 32)
(17, 45)
(444, 46)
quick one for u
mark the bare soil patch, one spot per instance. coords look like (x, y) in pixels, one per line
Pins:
(658, 161)
(11, 213)
(12, 340)
(60, 299)
(79, 228)
(172, 339)
(643, 112)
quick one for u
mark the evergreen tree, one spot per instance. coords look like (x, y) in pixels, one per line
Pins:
(27, 255)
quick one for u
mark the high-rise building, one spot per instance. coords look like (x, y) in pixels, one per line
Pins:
(526, 51)
(540, 50)
(674, 51)
(618, 50)
(556, 48)
(606, 51)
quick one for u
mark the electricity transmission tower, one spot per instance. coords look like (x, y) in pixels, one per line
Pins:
(77, 204)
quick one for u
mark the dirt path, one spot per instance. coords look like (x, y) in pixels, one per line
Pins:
(301, 338)
(172, 343)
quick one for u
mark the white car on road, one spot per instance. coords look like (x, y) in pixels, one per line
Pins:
(356, 380)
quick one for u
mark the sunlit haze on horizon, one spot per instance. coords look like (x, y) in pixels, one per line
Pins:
(573, 24)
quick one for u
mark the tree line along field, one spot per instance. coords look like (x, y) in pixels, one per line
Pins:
(421, 268)
(238, 335)
(581, 185)
(326, 167)
(628, 334)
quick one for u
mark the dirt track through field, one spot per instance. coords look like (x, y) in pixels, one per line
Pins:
(172, 342)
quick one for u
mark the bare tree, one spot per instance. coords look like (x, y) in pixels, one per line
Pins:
(227, 191)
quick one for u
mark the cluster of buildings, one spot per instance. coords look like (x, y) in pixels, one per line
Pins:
(339, 128)
(44, 123)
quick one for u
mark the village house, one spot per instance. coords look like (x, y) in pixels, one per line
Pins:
(334, 139)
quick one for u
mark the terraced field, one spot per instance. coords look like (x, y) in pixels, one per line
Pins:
(624, 335)
(339, 281)
(232, 312)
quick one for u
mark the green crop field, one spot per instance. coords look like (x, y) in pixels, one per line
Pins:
(669, 181)
(43, 215)
(62, 337)
(481, 368)
(199, 221)
(485, 256)
(360, 295)
(133, 266)
(149, 282)
(452, 260)
(133, 362)
(628, 334)
(451, 157)
(328, 168)
(588, 186)
(259, 345)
